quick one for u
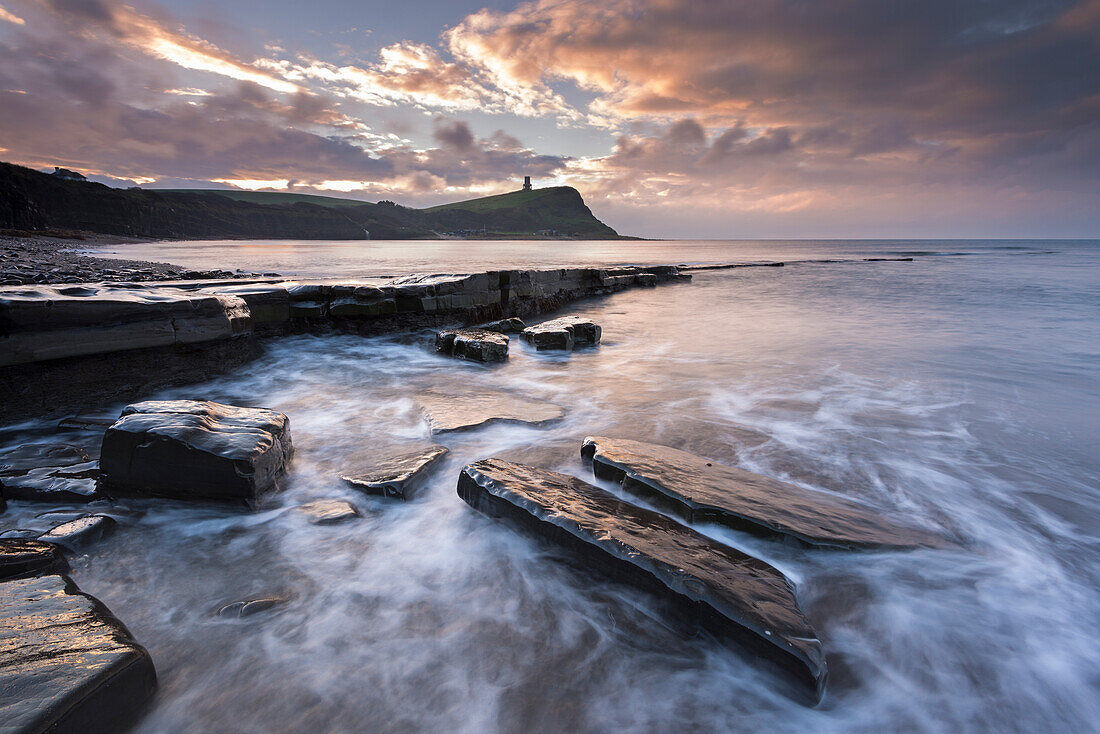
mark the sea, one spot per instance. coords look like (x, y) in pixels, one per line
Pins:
(958, 391)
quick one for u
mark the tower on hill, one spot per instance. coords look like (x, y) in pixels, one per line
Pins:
(526, 183)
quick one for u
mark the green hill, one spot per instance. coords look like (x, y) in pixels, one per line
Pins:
(34, 201)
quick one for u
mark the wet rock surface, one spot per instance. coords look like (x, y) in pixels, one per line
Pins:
(700, 490)
(505, 326)
(196, 450)
(477, 344)
(66, 664)
(446, 413)
(19, 558)
(398, 475)
(568, 333)
(328, 512)
(80, 533)
(45, 472)
(721, 587)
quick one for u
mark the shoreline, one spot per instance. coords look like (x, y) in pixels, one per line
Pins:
(56, 260)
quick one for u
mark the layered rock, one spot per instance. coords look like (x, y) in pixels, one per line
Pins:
(448, 413)
(481, 345)
(397, 476)
(567, 333)
(196, 450)
(700, 490)
(66, 664)
(48, 473)
(721, 587)
(19, 558)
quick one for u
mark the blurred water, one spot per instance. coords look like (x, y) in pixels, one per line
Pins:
(960, 393)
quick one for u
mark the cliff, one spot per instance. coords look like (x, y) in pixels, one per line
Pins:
(35, 201)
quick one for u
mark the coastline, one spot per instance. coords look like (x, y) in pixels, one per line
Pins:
(57, 260)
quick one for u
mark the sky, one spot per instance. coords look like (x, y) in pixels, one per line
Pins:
(674, 118)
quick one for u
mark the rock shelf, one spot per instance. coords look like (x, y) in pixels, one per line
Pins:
(722, 588)
(103, 341)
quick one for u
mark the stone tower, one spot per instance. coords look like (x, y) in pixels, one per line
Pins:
(526, 183)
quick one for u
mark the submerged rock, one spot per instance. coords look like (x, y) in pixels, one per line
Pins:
(66, 663)
(248, 607)
(29, 558)
(725, 589)
(460, 412)
(328, 512)
(195, 449)
(705, 491)
(81, 532)
(47, 472)
(568, 332)
(396, 476)
(506, 326)
(477, 344)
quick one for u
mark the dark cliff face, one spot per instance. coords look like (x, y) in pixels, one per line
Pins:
(31, 200)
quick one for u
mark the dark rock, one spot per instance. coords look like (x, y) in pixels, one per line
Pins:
(196, 450)
(20, 558)
(81, 532)
(725, 589)
(48, 473)
(506, 326)
(476, 344)
(20, 533)
(566, 333)
(66, 663)
(85, 422)
(460, 412)
(248, 607)
(396, 476)
(328, 512)
(705, 491)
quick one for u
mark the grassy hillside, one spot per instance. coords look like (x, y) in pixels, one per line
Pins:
(34, 201)
(269, 197)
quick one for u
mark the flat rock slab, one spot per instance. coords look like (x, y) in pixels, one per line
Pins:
(196, 449)
(66, 664)
(81, 532)
(20, 558)
(447, 413)
(328, 512)
(700, 490)
(48, 472)
(397, 476)
(480, 345)
(568, 332)
(727, 590)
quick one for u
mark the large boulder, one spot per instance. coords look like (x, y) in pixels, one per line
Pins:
(20, 558)
(481, 345)
(700, 490)
(66, 664)
(726, 590)
(195, 449)
(448, 413)
(568, 332)
(397, 476)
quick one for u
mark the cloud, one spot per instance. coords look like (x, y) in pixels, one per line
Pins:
(10, 17)
(122, 24)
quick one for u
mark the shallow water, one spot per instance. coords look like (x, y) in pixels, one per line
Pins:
(959, 392)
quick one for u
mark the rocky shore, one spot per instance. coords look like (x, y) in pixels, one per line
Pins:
(53, 260)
